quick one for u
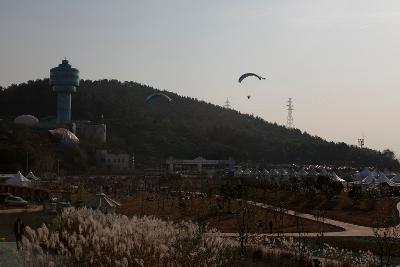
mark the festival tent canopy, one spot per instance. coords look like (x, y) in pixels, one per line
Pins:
(265, 172)
(31, 176)
(284, 172)
(336, 178)
(103, 203)
(324, 172)
(382, 178)
(302, 173)
(247, 172)
(19, 180)
(369, 179)
(362, 174)
(396, 179)
(313, 173)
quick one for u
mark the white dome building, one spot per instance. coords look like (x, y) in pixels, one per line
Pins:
(26, 120)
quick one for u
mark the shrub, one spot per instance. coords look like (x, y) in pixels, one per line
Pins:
(83, 237)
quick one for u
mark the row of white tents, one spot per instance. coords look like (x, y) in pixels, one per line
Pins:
(283, 174)
(18, 179)
(367, 177)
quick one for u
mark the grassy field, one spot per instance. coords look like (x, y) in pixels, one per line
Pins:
(224, 216)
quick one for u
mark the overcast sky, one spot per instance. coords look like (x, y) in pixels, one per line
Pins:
(339, 59)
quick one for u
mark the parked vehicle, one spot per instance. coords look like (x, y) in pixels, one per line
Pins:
(3, 196)
(62, 205)
(15, 201)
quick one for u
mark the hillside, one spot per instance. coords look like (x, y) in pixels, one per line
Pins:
(18, 142)
(185, 128)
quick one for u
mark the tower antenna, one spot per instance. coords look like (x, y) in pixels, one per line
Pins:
(227, 104)
(289, 123)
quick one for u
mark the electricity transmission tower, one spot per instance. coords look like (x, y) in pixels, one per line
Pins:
(361, 141)
(227, 104)
(289, 123)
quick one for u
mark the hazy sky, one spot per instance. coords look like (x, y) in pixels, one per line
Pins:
(339, 59)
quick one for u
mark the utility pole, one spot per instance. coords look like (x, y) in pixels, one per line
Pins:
(27, 162)
(289, 123)
(58, 168)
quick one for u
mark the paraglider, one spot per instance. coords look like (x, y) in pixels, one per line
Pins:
(244, 76)
(155, 97)
(249, 74)
(65, 137)
(152, 98)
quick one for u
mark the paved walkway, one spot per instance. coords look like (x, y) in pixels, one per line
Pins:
(349, 230)
(8, 257)
(33, 208)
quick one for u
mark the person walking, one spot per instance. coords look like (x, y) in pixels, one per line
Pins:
(19, 228)
(270, 227)
(260, 226)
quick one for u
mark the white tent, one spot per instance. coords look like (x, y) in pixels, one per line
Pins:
(389, 174)
(103, 203)
(325, 173)
(31, 176)
(369, 179)
(257, 172)
(275, 172)
(334, 177)
(284, 173)
(302, 173)
(313, 173)
(247, 172)
(362, 174)
(381, 178)
(396, 179)
(239, 172)
(19, 180)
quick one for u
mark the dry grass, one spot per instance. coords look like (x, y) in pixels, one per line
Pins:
(216, 214)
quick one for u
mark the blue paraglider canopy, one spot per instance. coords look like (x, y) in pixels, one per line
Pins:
(154, 97)
(244, 76)
(65, 137)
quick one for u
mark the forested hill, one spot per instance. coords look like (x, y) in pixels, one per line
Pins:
(184, 128)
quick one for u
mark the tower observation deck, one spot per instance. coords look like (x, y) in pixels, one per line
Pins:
(64, 79)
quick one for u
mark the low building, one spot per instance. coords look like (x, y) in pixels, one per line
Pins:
(88, 129)
(198, 164)
(114, 161)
